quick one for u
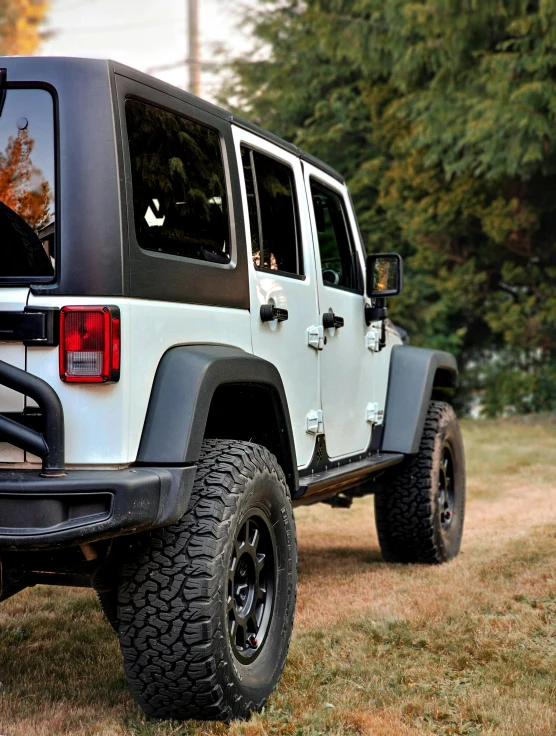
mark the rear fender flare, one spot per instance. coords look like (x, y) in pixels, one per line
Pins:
(184, 385)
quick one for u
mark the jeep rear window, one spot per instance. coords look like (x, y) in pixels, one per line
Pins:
(26, 185)
(179, 185)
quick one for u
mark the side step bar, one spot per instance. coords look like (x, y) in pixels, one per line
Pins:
(318, 486)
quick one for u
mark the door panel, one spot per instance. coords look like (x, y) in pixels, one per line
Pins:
(346, 364)
(282, 275)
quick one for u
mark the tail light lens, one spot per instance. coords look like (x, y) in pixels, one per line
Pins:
(89, 344)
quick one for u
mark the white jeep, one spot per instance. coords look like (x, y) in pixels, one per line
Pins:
(193, 342)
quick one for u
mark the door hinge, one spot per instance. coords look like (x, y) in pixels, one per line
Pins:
(373, 339)
(374, 415)
(33, 326)
(315, 337)
(314, 422)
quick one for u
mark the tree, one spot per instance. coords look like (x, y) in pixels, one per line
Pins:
(22, 187)
(442, 115)
(20, 22)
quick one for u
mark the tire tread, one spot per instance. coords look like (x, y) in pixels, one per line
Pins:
(170, 632)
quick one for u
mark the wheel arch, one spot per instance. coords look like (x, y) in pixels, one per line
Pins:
(414, 374)
(216, 391)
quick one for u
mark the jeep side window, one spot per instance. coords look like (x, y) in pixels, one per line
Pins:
(338, 256)
(27, 184)
(179, 185)
(273, 219)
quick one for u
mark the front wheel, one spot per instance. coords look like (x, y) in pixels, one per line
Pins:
(206, 610)
(420, 512)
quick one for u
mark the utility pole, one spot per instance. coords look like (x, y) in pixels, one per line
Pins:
(193, 61)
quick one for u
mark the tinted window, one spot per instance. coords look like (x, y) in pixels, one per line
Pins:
(179, 185)
(338, 256)
(27, 184)
(275, 243)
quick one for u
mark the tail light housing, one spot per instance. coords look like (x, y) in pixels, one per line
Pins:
(89, 344)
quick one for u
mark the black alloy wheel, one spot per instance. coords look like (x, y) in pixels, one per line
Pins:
(251, 585)
(446, 487)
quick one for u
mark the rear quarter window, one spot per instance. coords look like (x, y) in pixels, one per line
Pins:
(179, 185)
(27, 185)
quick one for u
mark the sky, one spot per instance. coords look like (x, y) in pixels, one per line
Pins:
(142, 34)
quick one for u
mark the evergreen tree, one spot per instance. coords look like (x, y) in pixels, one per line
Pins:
(442, 116)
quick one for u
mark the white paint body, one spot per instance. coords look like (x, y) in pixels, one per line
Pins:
(104, 422)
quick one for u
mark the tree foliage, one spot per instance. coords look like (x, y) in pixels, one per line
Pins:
(442, 116)
(22, 186)
(20, 22)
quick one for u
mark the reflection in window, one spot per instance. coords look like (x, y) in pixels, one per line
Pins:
(179, 185)
(272, 213)
(27, 184)
(338, 256)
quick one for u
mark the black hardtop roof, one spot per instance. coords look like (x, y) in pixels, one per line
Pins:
(138, 76)
(49, 68)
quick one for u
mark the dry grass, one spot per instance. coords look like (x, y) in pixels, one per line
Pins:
(465, 648)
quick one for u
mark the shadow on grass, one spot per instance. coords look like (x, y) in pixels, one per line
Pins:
(56, 647)
(316, 563)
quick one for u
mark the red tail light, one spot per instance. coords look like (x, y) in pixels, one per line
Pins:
(89, 344)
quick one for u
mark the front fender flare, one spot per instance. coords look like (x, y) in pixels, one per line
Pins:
(414, 372)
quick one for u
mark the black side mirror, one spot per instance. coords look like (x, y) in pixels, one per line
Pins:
(384, 275)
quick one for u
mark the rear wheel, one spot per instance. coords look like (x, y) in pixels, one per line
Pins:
(206, 610)
(420, 512)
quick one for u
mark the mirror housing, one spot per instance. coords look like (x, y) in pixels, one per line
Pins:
(384, 275)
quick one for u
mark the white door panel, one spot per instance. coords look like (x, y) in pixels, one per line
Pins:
(285, 344)
(346, 364)
(346, 376)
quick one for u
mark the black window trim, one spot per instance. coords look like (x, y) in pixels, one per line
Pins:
(225, 165)
(299, 239)
(359, 290)
(32, 280)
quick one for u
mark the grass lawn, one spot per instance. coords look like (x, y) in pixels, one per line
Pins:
(464, 648)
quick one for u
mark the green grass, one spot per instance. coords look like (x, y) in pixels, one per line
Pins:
(464, 648)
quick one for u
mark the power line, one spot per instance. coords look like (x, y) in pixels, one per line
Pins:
(184, 62)
(69, 4)
(123, 27)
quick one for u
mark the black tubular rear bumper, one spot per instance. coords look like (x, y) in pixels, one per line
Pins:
(88, 505)
(58, 508)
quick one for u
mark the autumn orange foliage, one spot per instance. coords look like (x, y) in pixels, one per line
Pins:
(22, 188)
(20, 22)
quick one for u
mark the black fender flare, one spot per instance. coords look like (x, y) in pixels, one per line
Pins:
(414, 372)
(184, 385)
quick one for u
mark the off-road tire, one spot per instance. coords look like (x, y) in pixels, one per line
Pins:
(410, 520)
(174, 604)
